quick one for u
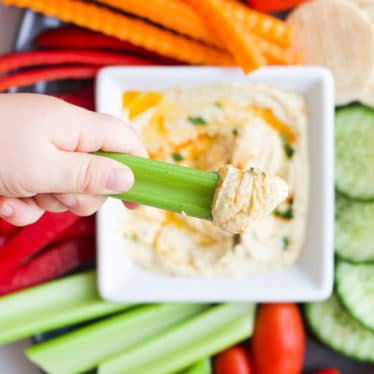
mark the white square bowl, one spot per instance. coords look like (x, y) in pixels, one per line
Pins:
(310, 278)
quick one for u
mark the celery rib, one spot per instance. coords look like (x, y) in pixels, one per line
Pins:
(168, 186)
(108, 337)
(59, 303)
(181, 346)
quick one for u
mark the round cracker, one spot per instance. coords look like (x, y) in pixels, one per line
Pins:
(370, 12)
(364, 3)
(367, 6)
(338, 35)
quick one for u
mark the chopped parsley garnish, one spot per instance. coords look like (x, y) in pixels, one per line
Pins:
(218, 104)
(288, 149)
(177, 157)
(285, 214)
(131, 236)
(197, 121)
(235, 132)
(286, 242)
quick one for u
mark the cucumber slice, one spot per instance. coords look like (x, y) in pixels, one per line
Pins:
(355, 290)
(334, 327)
(354, 230)
(354, 151)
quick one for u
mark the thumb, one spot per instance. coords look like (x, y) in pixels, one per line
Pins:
(84, 173)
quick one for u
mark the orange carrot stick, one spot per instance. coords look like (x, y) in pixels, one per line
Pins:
(178, 16)
(263, 25)
(172, 14)
(242, 47)
(135, 31)
(276, 55)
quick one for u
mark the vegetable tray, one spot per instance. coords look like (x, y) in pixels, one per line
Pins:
(317, 356)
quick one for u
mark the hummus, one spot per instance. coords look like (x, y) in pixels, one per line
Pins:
(250, 127)
(243, 197)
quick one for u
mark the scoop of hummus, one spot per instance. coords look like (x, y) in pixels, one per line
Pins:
(244, 196)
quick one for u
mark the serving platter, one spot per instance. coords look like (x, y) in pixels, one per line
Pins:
(317, 355)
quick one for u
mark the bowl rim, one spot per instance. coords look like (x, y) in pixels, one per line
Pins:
(300, 286)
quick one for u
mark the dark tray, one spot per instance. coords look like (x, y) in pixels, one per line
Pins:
(317, 356)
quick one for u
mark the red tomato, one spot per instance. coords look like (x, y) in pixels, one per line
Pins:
(327, 371)
(234, 360)
(268, 6)
(278, 342)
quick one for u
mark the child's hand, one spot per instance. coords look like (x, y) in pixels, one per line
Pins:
(44, 160)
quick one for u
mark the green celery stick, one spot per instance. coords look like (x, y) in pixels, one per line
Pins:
(56, 304)
(181, 346)
(103, 339)
(168, 186)
(200, 367)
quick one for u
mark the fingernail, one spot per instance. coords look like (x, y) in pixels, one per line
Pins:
(120, 180)
(6, 210)
(70, 201)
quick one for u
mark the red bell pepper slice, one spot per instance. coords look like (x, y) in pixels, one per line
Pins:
(25, 78)
(17, 60)
(84, 98)
(84, 227)
(7, 228)
(31, 239)
(53, 263)
(76, 37)
(69, 37)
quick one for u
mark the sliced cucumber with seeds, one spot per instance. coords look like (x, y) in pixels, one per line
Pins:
(355, 290)
(354, 230)
(334, 327)
(354, 151)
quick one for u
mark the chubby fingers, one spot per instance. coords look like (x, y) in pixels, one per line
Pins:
(49, 202)
(130, 205)
(81, 205)
(25, 211)
(83, 173)
(86, 131)
(20, 212)
(76, 170)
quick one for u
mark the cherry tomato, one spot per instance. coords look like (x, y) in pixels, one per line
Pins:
(278, 342)
(234, 360)
(327, 371)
